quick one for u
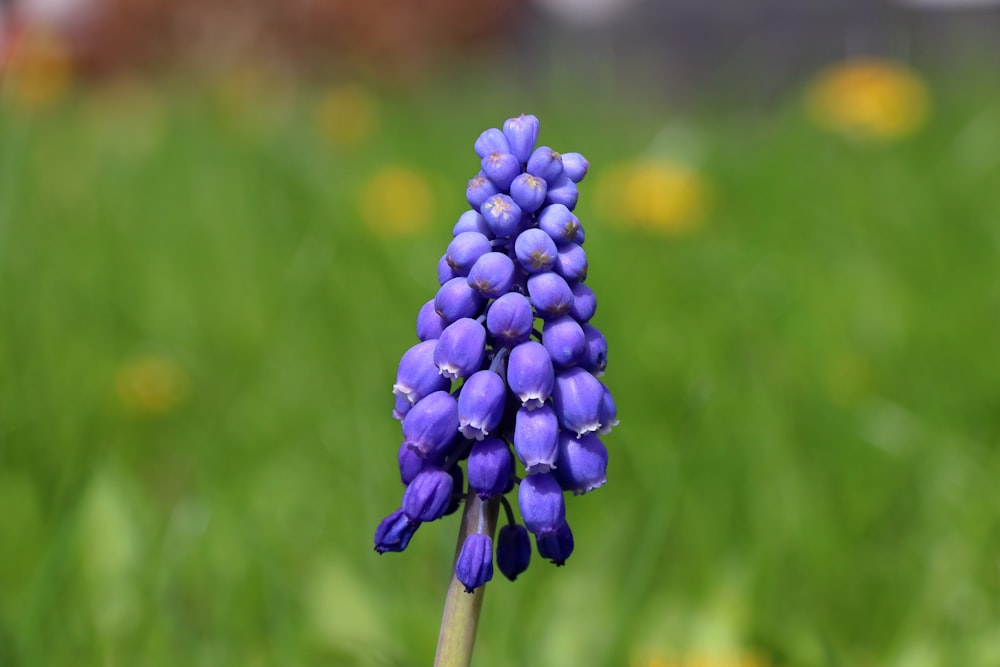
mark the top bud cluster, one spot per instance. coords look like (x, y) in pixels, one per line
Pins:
(507, 359)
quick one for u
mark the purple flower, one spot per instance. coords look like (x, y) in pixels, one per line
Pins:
(428, 495)
(584, 303)
(575, 166)
(576, 397)
(550, 294)
(556, 546)
(470, 221)
(521, 134)
(571, 263)
(491, 141)
(480, 404)
(529, 374)
(460, 349)
(536, 438)
(582, 463)
(565, 341)
(480, 189)
(541, 503)
(558, 221)
(456, 300)
(510, 319)
(490, 467)
(431, 425)
(562, 191)
(417, 375)
(535, 250)
(429, 323)
(513, 550)
(474, 565)
(501, 168)
(464, 250)
(394, 532)
(528, 192)
(546, 164)
(492, 275)
(411, 463)
(501, 214)
(595, 356)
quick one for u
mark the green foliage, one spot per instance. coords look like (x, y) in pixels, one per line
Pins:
(198, 335)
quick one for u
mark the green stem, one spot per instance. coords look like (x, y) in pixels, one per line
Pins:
(461, 609)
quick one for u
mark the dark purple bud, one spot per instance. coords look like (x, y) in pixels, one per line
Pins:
(558, 221)
(562, 191)
(474, 566)
(550, 294)
(410, 463)
(528, 192)
(501, 168)
(417, 374)
(394, 532)
(582, 463)
(521, 134)
(608, 412)
(584, 303)
(501, 214)
(571, 262)
(455, 300)
(490, 467)
(464, 250)
(510, 318)
(480, 404)
(536, 438)
(541, 503)
(492, 275)
(513, 550)
(480, 189)
(595, 357)
(445, 272)
(529, 374)
(470, 221)
(535, 250)
(460, 349)
(556, 546)
(577, 397)
(431, 425)
(565, 341)
(428, 495)
(401, 408)
(575, 166)
(491, 141)
(546, 164)
(429, 323)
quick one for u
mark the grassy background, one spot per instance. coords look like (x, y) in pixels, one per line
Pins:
(808, 386)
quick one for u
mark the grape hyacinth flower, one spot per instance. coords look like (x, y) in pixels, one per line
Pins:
(504, 369)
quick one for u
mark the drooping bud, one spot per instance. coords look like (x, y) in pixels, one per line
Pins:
(491, 141)
(536, 439)
(521, 134)
(595, 356)
(474, 565)
(530, 374)
(501, 168)
(490, 467)
(513, 550)
(562, 191)
(480, 189)
(571, 263)
(584, 303)
(541, 503)
(480, 404)
(558, 221)
(556, 546)
(394, 532)
(546, 164)
(429, 323)
(470, 221)
(431, 425)
(427, 497)
(460, 349)
(417, 374)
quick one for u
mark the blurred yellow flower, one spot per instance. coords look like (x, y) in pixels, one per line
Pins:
(696, 659)
(152, 386)
(869, 98)
(657, 195)
(347, 115)
(396, 201)
(40, 69)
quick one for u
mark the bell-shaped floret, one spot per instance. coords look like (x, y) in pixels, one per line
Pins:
(455, 300)
(480, 404)
(480, 189)
(556, 546)
(562, 191)
(464, 250)
(491, 141)
(510, 319)
(608, 412)
(429, 323)
(490, 467)
(410, 463)
(546, 164)
(431, 425)
(427, 497)
(575, 166)
(576, 398)
(582, 463)
(461, 348)
(417, 374)
(559, 222)
(595, 357)
(394, 532)
(550, 294)
(536, 439)
(565, 341)
(541, 503)
(528, 192)
(513, 550)
(571, 262)
(501, 168)
(521, 134)
(535, 250)
(401, 407)
(584, 303)
(492, 275)
(502, 215)
(474, 565)
(530, 374)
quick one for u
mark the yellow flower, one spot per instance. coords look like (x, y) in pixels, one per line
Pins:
(40, 69)
(347, 116)
(151, 386)
(699, 659)
(657, 195)
(869, 98)
(396, 201)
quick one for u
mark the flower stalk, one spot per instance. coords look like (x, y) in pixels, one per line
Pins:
(461, 609)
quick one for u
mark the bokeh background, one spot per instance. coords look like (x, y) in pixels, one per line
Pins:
(218, 221)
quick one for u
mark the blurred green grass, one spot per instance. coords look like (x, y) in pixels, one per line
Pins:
(807, 385)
